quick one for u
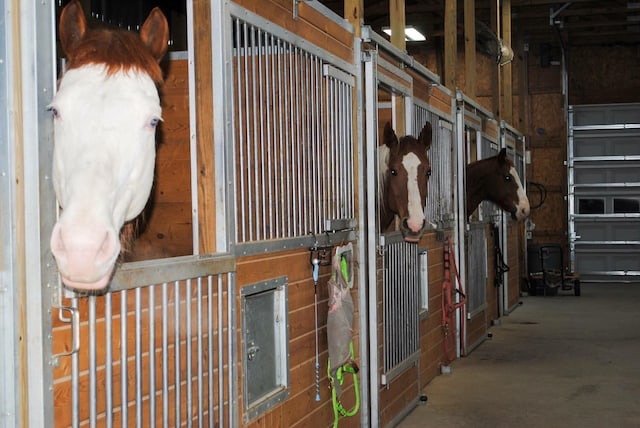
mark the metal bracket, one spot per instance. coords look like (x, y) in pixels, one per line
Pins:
(74, 318)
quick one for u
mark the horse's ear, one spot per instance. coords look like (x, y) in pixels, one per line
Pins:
(426, 136)
(502, 156)
(155, 33)
(389, 137)
(73, 25)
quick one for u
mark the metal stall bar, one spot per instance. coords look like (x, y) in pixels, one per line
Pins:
(294, 134)
(371, 225)
(176, 319)
(400, 306)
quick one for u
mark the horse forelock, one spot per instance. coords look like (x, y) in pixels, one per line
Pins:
(118, 50)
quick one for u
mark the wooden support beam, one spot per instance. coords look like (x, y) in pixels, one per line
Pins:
(450, 43)
(495, 70)
(470, 47)
(354, 13)
(507, 78)
(397, 22)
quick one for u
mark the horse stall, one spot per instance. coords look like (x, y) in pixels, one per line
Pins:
(493, 244)
(405, 291)
(209, 320)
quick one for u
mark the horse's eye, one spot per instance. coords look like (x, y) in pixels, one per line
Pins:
(507, 177)
(154, 122)
(428, 173)
(394, 172)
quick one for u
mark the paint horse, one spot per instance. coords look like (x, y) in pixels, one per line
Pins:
(105, 115)
(496, 179)
(404, 171)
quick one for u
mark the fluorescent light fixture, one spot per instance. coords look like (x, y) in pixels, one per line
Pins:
(410, 34)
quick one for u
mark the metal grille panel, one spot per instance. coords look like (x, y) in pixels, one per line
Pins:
(439, 207)
(401, 306)
(293, 137)
(477, 268)
(160, 355)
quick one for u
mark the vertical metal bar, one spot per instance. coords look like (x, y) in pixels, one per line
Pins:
(281, 194)
(108, 320)
(189, 385)
(256, 173)
(92, 361)
(221, 413)
(268, 63)
(273, 143)
(152, 355)
(200, 355)
(289, 90)
(124, 379)
(210, 354)
(176, 344)
(138, 358)
(295, 133)
(261, 209)
(241, 88)
(165, 356)
(75, 380)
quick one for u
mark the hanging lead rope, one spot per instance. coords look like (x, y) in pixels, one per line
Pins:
(316, 268)
(449, 307)
(338, 408)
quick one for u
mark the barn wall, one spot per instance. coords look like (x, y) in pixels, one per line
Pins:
(596, 75)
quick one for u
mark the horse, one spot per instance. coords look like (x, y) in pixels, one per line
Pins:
(105, 115)
(496, 179)
(404, 170)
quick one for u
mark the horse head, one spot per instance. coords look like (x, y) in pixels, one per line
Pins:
(496, 179)
(105, 115)
(404, 175)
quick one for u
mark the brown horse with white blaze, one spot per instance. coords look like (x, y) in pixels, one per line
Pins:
(495, 179)
(404, 171)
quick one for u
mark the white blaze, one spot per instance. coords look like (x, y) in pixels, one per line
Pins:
(411, 162)
(523, 202)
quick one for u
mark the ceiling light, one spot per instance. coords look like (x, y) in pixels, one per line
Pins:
(410, 34)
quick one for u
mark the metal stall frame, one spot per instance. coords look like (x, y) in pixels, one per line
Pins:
(10, 388)
(507, 131)
(374, 240)
(28, 81)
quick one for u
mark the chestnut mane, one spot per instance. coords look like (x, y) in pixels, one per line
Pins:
(118, 50)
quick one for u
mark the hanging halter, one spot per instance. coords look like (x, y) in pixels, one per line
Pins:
(448, 306)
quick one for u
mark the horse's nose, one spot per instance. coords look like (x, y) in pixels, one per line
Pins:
(85, 257)
(414, 225)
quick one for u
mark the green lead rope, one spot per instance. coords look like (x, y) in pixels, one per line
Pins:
(338, 408)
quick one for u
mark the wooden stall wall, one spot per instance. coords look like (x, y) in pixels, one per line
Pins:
(165, 228)
(548, 151)
(301, 409)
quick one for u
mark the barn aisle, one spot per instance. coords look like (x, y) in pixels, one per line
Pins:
(559, 361)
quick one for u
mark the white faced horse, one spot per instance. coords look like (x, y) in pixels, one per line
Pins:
(105, 116)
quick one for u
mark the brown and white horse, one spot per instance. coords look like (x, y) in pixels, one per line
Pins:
(105, 115)
(495, 179)
(404, 170)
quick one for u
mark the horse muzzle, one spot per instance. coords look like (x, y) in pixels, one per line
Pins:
(411, 235)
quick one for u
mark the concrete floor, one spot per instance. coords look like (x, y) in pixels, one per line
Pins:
(561, 361)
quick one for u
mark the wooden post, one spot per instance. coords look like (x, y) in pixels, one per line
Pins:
(470, 47)
(204, 127)
(397, 23)
(354, 12)
(507, 84)
(450, 44)
(495, 69)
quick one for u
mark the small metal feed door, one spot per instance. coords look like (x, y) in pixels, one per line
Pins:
(265, 350)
